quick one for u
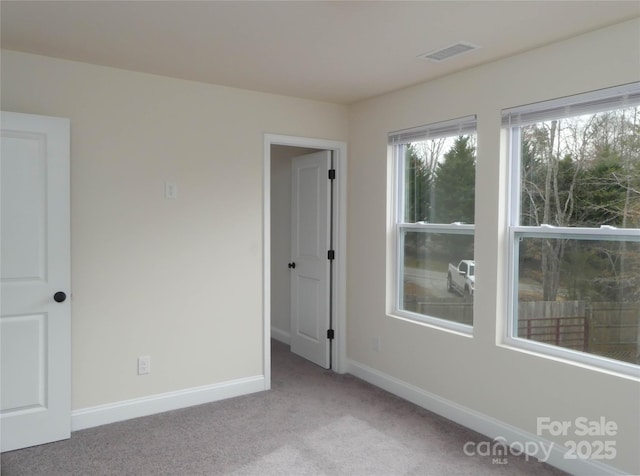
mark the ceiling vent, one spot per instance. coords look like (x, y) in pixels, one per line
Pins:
(443, 54)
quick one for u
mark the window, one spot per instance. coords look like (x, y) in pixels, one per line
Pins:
(434, 216)
(575, 227)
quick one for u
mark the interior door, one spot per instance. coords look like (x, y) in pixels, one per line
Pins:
(310, 243)
(35, 317)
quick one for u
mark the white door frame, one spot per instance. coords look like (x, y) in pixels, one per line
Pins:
(339, 304)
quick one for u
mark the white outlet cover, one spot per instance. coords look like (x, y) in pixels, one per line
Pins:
(170, 190)
(144, 365)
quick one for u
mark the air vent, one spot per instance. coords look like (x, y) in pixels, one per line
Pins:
(442, 54)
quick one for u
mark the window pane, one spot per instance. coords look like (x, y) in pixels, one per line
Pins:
(439, 180)
(582, 171)
(432, 285)
(580, 294)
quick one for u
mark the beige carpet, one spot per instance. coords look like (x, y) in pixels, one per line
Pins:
(312, 422)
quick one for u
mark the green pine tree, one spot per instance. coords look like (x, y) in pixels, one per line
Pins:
(455, 183)
(417, 187)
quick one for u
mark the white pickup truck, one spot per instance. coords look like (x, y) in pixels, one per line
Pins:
(461, 278)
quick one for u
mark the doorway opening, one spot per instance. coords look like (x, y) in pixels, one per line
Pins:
(279, 151)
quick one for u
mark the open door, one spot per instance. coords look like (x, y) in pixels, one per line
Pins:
(310, 257)
(35, 322)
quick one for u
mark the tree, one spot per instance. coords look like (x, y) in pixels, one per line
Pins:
(582, 171)
(455, 183)
(416, 187)
(438, 188)
(600, 192)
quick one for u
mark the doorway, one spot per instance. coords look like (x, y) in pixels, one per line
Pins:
(278, 154)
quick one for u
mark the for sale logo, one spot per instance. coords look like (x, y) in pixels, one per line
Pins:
(499, 449)
(599, 446)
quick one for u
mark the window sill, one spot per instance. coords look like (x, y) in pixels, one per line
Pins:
(462, 330)
(570, 357)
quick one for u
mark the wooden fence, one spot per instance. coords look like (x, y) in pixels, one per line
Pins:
(614, 330)
(461, 312)
(608, 329)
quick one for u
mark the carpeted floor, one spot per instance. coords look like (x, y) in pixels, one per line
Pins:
(312, 422)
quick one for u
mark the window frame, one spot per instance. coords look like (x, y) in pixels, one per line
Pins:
(397, 144)
(571, 106)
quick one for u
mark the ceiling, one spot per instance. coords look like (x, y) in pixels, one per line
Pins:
(336, 51)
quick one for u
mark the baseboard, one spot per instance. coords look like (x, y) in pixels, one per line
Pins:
(280, 335)
(484, 424)
(138, 407)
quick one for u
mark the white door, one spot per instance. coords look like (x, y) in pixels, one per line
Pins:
(35, 329)
(310, 243)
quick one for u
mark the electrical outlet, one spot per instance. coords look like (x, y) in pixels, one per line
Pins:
(144, 365)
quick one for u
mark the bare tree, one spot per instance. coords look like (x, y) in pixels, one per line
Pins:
(580, 171)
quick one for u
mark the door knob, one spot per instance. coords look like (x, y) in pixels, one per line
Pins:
(292, 265)
(59, 296)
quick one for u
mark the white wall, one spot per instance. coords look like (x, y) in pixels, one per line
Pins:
(180, 281)
(511, 386)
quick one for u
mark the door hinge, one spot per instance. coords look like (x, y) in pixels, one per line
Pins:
(332, 174)
(331, 255)
(330, 334)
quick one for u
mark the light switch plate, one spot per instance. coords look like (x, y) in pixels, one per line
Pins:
(170, 190)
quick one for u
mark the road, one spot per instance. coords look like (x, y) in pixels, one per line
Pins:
(434, 281)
